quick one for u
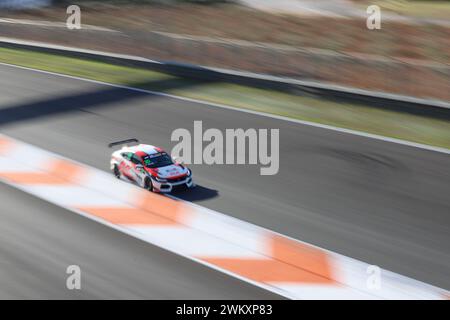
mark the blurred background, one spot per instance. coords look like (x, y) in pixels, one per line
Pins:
(320, 40)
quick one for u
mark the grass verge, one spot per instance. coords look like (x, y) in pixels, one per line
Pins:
(373, 120)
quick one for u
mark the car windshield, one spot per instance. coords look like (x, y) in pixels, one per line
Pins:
(157, 160)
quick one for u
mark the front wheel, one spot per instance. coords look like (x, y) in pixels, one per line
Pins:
(148, 184)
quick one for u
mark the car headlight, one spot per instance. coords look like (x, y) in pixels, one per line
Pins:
(189, 173)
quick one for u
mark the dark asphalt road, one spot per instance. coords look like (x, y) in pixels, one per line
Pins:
(379, 202)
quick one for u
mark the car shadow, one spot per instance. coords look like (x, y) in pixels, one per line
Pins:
(197, 194)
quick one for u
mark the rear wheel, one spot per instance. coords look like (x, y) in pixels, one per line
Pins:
(116, 172)
(148, 184)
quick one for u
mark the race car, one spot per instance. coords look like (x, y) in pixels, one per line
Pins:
(149, 167)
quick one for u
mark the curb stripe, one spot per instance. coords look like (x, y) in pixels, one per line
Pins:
(267, 271)
(5, 145)
(290, 261)
(302, 256)
(59, 172)
(127, 216)
(162, 206)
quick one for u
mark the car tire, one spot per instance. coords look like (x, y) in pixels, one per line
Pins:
(116, 172)
(148, 184)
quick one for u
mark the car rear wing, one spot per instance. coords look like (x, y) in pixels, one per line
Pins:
(118, 143)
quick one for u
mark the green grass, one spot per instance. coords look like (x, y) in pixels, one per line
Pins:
(357, 117)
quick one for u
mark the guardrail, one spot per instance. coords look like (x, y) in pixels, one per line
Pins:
(426, 107)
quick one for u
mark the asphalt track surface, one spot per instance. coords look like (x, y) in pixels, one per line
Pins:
(383, 203)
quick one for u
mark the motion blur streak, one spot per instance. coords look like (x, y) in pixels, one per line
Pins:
(375, 201)
(274, 262)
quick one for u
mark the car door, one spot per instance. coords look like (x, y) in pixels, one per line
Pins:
(137, 169)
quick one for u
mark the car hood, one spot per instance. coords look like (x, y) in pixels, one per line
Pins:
(169, 171)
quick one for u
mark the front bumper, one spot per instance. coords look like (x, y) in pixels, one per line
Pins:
(167, 187)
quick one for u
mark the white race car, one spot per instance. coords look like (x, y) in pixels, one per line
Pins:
(149, 167)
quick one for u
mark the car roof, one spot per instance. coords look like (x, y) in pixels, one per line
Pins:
(144, 148)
